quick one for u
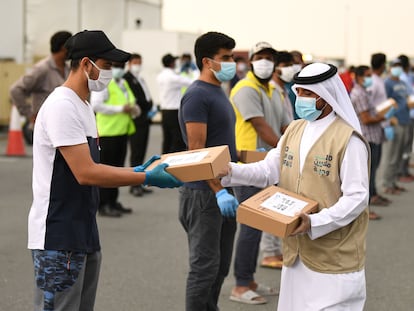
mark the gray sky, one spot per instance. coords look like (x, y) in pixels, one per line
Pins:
(351, 29)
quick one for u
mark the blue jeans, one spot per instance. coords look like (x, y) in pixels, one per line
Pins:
(247, 246)
(376, 150)
(210, 242)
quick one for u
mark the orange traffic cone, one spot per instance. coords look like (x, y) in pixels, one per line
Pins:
(15, 143)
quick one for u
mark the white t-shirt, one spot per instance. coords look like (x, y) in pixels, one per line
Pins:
(62, 215)
(170, 84)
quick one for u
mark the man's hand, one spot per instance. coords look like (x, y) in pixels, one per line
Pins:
(160, 178)
(304, 225)
(143, 167)
(227, 203)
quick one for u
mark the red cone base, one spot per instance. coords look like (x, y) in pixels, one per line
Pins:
(15, 144)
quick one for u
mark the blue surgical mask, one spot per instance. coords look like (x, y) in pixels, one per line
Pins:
(227, 71)
(117, 73)
(305, 108)
(367, 82)
(396, 71)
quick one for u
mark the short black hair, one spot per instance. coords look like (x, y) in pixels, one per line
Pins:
(74, 63)
(360, 70)
(135, 56)
(167, 60)
(118, 65)
(378, 60)
(208, 45)
(238, 59)
(58, 40)
(283, 57)
(405, 61)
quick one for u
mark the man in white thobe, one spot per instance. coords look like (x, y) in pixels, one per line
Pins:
(323, 157)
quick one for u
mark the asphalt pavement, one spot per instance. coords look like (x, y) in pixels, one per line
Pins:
(145, 256)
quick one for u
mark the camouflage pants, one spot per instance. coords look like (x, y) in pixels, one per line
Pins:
(65, 280)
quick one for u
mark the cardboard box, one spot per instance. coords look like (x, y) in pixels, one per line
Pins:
(383, 108)
(198, 164)
(250, 156)
(273, 210)
(410, 102)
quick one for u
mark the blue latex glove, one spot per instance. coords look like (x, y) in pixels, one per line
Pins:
(390, 113)
(151, 113)
(160, 178)
(227, 203)
(141, 168)
(389, 132)
(261, 149)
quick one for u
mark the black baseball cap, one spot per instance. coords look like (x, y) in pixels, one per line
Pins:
(94, 43)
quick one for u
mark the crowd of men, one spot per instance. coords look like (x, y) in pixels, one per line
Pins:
(271, 101)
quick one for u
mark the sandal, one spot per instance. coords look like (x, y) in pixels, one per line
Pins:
(377, 200)
(401, 189)
(272, 262)
(249, 297)
(392, 191)
(386, 200)
(264, 290)
(374, 216)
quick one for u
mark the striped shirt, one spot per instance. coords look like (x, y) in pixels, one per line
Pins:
(360, 99)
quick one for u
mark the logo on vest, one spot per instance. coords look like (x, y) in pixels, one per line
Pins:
(322, 165)
(288, 157)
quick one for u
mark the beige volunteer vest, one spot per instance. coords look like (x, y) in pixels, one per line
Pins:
(342, 250)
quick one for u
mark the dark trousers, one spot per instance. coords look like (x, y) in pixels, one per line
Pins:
(113, 152)
(248, 242)
(408, 147)
(172, 140)
(138, 141)
(210, 242)
(376, 150)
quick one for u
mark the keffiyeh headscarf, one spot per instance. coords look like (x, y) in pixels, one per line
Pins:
(323, 79)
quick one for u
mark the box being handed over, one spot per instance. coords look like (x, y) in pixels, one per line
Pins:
(198, 164)
(410, 102)
(383, 108)
(273, 210)
(250, 156)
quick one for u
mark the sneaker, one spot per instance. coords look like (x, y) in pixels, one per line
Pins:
(146, 190)
(120, 208)
(109, 211)
(136, 191)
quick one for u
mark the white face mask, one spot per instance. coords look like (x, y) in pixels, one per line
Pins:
(287, 73)
(263, 68)
(297, 67)
(241, 67)
(104, 77)
(135, 69)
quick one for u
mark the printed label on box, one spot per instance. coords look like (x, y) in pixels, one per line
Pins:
(189, 158)
(284, 204)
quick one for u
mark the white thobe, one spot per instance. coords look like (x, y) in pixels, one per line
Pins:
(301, 288)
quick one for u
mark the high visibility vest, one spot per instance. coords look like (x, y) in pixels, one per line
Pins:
(121, 123)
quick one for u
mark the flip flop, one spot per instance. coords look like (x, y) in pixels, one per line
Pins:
(377, 200)
(374, 216)
(264, 290)
(272, 264)
(392, 191)
(249, 297)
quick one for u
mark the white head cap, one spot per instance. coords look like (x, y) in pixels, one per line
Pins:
(323, 79)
